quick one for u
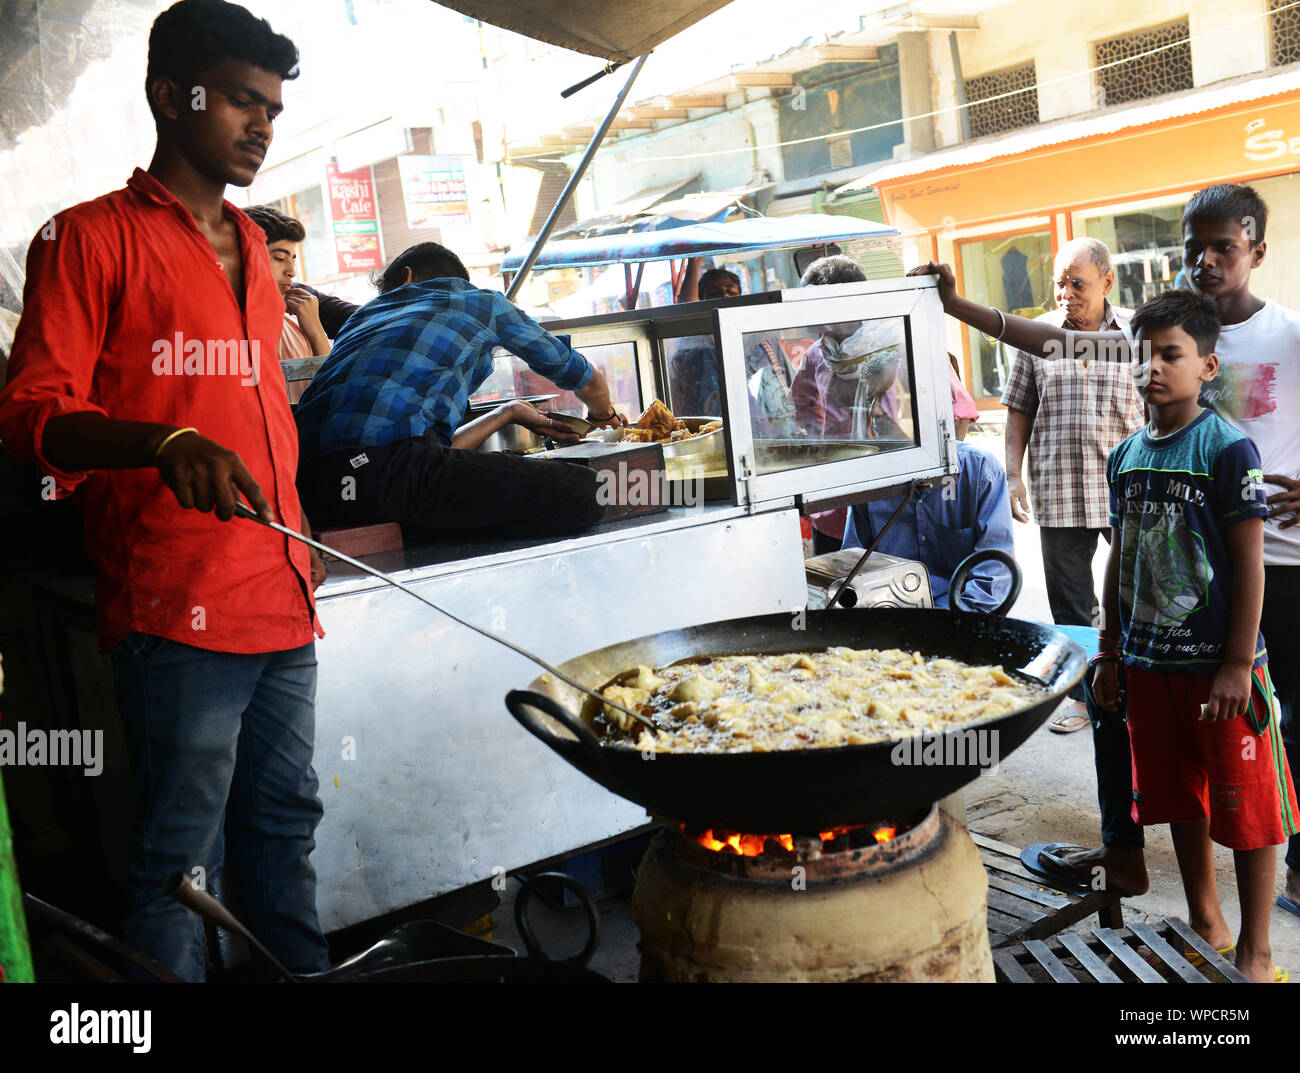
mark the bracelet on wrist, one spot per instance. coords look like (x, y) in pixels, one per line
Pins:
(157, 451)
(1002, 327)
(1105, 657)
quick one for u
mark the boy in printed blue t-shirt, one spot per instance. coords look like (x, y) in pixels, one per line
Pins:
(1185, 583)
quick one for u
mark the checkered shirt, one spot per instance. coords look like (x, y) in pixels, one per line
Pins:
(407, 362)
(1081, 411)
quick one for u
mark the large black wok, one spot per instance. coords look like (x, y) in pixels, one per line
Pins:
(808, 789)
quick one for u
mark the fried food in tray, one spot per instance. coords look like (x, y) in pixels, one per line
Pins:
(658, 419)
(659, 425)
(805, 700)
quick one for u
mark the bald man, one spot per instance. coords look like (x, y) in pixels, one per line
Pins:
(1070, 413)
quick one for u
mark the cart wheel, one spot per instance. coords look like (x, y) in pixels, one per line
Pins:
(526, 892)
(959, 576)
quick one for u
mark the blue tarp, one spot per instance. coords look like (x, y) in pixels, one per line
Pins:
(700, 240)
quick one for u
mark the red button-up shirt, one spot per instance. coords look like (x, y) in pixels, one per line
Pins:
(129, 313)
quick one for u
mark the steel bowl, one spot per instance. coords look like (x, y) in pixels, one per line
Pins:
(698, 447)
(513, 439)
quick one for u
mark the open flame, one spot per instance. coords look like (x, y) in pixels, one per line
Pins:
(744, 845)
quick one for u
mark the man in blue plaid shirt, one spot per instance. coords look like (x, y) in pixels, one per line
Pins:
(379, 435)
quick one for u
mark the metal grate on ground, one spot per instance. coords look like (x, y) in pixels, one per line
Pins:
(1025, 906)
(1139, 953)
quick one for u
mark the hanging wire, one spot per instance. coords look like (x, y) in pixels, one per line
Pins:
(1218, 32)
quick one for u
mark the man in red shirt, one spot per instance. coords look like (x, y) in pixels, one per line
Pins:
(144, 379)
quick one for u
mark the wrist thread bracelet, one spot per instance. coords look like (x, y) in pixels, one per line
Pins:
(179, 432)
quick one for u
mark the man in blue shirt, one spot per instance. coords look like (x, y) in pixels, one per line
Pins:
(379, 435)
(941, 527)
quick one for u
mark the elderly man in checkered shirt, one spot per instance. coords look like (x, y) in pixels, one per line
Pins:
(1070, 412)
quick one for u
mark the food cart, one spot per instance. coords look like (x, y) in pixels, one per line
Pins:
(428, 784)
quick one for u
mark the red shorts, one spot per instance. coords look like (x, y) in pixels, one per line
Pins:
(1185, 768)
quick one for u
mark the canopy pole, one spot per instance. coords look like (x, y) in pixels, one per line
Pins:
(636, 285)
(574, 179)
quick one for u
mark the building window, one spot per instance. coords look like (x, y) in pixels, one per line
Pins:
(1143, 64)
(1013, 273)
(991, 111)
(1284, 31)
(1146, 249)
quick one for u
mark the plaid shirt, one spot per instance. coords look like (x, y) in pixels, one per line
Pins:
(1081, 411)
(407, 362)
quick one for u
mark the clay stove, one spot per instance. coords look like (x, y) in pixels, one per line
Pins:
(896, 901)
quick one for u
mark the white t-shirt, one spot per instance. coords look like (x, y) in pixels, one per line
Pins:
(1258, 391)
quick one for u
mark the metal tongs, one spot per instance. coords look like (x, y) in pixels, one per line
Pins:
(242, 510)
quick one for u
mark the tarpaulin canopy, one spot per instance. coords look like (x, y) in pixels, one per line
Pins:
(628, 209)
(618, 30)
(710, 206)
(702, 240)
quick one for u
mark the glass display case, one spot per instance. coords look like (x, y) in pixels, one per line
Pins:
(822, 393)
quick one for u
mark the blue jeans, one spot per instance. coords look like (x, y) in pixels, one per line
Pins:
(221, 745)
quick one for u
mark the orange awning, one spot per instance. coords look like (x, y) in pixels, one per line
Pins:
(1241, 130)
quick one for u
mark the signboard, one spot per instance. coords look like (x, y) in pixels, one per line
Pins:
(1235, 143)
(435, 192)
(355, 215)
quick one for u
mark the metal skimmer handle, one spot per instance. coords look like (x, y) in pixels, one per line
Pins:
(242, 510)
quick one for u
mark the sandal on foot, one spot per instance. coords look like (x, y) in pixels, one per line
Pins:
(1050, 858)
(1068, 720)
(1070, 880)
(1195, 960)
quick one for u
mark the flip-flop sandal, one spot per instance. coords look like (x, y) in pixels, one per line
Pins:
(1196, 960)
(1068, 723)
(1070, 880)
(1280, 975)
(1049, 857)
(1287, 904)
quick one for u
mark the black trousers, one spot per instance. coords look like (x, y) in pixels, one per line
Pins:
(1282, 637)
(1067, 569)
(1112, 754)
(421, 483)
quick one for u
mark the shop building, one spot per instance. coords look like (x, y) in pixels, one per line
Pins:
(1049, 159)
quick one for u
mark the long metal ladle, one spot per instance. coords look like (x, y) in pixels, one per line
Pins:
(201, 902)
(242, 510)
